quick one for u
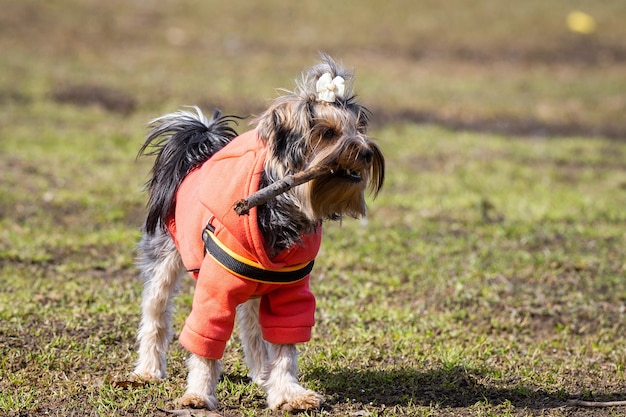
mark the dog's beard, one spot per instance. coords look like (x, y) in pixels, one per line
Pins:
(356, 164)
(330, 197)
(342, 192)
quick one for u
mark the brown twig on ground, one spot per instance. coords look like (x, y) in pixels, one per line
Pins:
(190, 413)
(244, 205)
(582, 403)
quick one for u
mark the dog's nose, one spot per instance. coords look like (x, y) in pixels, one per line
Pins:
(367, 154)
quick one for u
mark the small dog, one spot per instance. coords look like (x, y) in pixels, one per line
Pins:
(256, 266)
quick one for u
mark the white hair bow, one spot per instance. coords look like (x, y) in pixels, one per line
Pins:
(328, 88)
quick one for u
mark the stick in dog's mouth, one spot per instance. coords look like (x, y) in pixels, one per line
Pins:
(264, 195)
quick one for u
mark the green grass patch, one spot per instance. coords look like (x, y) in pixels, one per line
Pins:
(488, 279)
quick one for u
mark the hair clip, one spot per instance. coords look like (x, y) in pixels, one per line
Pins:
(328, 88)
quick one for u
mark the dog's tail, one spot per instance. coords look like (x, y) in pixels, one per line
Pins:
(181, 142)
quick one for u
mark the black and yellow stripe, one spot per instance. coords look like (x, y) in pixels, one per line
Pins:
(248, 269)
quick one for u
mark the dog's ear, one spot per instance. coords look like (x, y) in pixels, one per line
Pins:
(285, 127)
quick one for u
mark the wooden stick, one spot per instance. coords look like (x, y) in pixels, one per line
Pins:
(264, 195)
(582, 403)
(190, 413)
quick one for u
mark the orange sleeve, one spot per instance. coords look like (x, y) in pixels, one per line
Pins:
(287, 314)
(210, 323)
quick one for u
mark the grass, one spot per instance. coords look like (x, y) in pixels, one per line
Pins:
(488, 279)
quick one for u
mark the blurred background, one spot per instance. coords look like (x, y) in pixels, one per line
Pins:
(535, 67)
(488, 278)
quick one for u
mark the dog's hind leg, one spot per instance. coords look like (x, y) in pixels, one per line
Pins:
(161, 267)
(254, 347)
(281, 382)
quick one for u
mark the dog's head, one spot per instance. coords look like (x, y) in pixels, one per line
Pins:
(321, 124)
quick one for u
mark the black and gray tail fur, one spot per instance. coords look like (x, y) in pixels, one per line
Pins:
(181, 141)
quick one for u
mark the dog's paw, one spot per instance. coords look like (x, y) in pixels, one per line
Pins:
(190, 400)
(297, 400)
(146, 377)
(257, 378)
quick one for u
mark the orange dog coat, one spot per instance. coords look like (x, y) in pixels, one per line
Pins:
(206, 195)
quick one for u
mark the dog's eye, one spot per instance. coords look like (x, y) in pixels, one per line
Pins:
(328, 134)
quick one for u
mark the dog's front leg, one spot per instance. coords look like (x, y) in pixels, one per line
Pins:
(203, 377)
(281, 382)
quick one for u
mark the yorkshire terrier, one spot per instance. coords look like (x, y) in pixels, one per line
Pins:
(256, 265)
